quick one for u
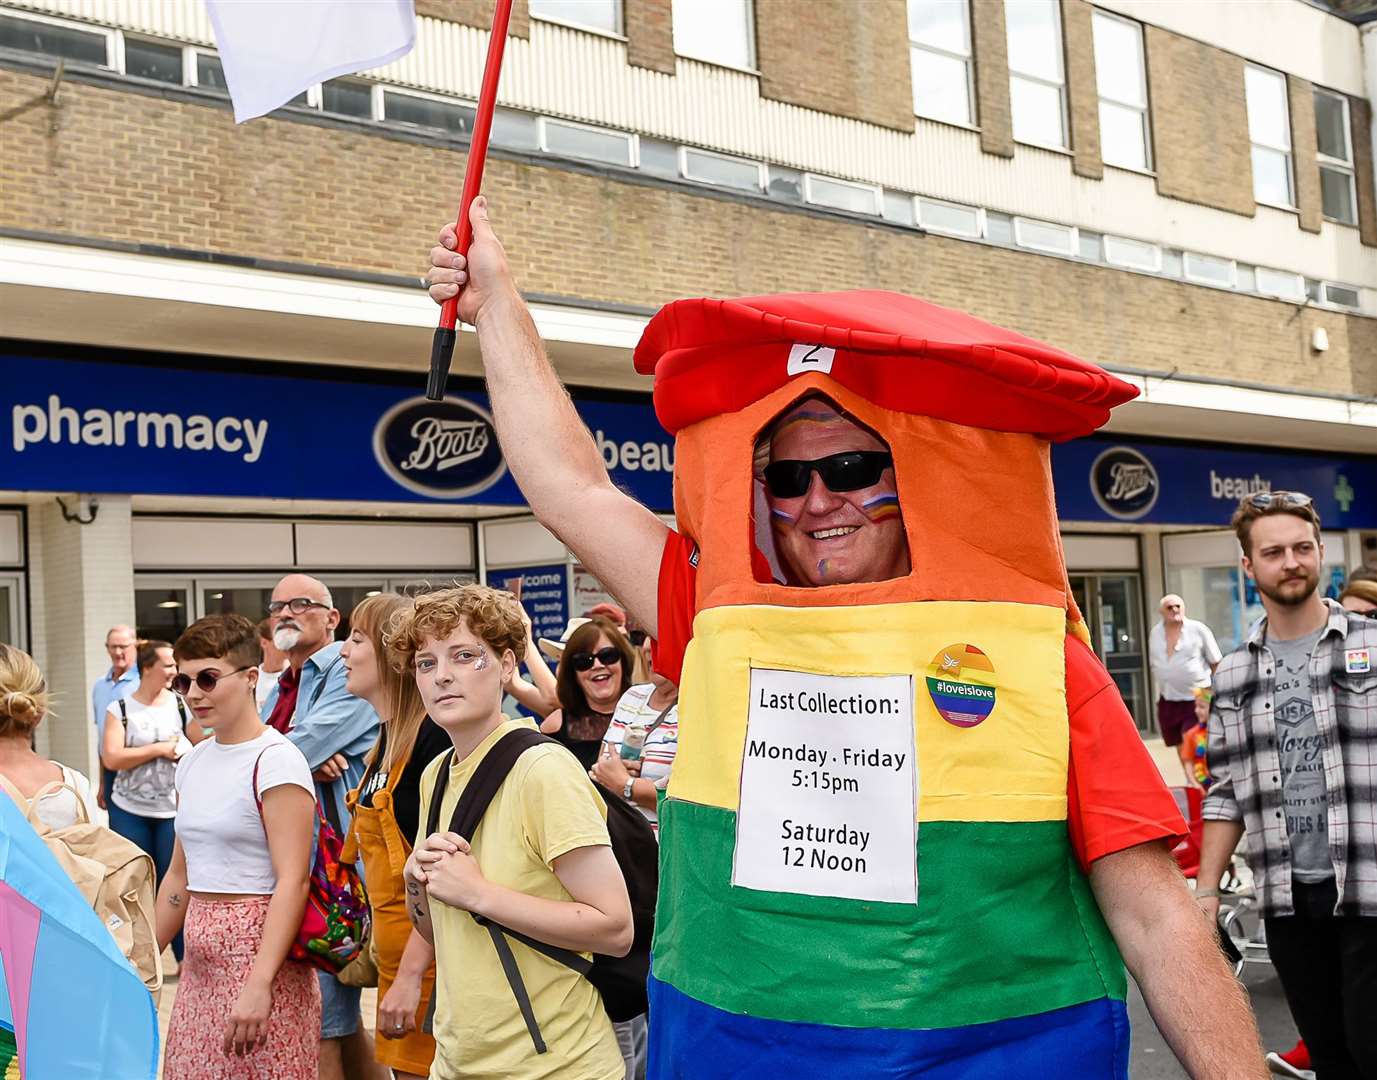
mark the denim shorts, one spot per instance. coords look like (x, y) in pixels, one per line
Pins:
(339, 1007)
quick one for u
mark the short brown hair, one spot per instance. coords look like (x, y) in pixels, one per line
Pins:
(1362, 589)
(1248, 512)
(571, 696)
(265, 628)
(148, 653)
(230, 637)
(23, 692)
(494, 616)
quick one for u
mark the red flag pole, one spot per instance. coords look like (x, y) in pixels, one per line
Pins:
(442, 347)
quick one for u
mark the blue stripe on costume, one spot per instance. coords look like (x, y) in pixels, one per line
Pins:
(693, 1041)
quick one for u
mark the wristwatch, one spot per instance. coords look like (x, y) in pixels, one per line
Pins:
(630, 786)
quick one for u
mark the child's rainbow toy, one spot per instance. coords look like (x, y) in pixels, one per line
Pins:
(866, 868)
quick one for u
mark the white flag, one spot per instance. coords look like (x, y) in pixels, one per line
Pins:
(272, 50)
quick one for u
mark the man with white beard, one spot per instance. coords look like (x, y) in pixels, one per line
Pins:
(334, 730)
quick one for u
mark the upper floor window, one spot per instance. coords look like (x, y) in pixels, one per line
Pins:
(1037, 74)
(939, 36)
(53, 38)
(1335, 143)
(716, 31)
(1121, 78)
(1269, 128)
(604, 15)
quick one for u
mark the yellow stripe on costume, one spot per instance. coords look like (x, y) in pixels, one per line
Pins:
(1010, 767)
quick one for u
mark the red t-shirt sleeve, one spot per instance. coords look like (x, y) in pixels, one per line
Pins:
(674, 619)
(1116, 796)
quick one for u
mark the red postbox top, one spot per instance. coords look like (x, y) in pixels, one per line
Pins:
(718, 356)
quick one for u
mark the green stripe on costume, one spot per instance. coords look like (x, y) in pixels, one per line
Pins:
(1005, 926)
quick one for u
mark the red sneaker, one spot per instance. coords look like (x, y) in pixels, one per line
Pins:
(1295, 1062)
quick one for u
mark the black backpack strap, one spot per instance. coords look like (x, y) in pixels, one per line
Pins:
(437, 796)
(124, 713)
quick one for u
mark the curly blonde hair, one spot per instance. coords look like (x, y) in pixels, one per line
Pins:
(492, 615)
(23, 692)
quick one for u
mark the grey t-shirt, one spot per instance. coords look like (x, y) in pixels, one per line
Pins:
(1302, 765)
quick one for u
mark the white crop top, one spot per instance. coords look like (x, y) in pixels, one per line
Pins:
(217, 816)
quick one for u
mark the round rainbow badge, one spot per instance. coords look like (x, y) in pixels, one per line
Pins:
(961, 680)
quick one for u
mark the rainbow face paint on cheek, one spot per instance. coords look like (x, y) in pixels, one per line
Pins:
(823, 567)
(781, 519)
(880, 507)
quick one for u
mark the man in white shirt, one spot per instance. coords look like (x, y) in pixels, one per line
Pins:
(1183, 654)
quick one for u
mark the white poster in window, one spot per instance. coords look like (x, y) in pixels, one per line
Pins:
(829, 787)
(588, 592)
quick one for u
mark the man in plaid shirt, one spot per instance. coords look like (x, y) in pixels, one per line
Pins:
(1293, 753)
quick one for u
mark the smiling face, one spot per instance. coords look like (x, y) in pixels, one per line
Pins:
(826, 537)
(159, 673)
(460, 679)
(602, 683)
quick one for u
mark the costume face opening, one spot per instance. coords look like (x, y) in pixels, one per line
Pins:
(826, 503)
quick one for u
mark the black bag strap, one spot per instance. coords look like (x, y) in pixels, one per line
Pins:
(124, 713)
(661, 718)
(468, 812)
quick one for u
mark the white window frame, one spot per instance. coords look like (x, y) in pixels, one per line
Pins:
(1324, 295)
(967, 62)
(615, 35)
(979, 234)
(1073, 234)
(1288, 150)
(1298, 297)
(1335, 164)
(752, 52)
(1144, 110)
(633, 142)
(1110, 241)
(1201, 279)
(18, 606)
(1060, 86)
(192, 76)
(405, 91)
(762, 179)
(874, 189)
(114, 43)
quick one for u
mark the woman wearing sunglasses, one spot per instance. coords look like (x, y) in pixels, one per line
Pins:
(594, 672)
(239, 874)
(145, 735)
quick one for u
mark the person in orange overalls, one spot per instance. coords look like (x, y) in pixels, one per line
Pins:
(386, 809)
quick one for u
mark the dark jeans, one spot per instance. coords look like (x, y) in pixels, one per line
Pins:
(153, 835)
(1328, 967)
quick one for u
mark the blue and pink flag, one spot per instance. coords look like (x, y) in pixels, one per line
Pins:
(72, 1003)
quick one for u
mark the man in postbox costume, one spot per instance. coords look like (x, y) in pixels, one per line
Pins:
(911, 829)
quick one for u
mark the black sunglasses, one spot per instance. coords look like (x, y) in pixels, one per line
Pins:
(582, 661)
(849, 471)
(206, 679)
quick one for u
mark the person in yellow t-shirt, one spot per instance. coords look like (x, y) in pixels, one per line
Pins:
(540, 863)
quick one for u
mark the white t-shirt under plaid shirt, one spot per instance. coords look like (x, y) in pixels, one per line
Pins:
(657, 756)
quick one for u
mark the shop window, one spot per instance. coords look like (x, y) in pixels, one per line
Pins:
(939, 38)
(161, 613)
(715, 31)
(602, 15)
(825, 500)
(55, 39)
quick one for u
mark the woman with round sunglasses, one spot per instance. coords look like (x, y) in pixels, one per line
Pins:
(594, 672)
(145, 735)
(238, 881)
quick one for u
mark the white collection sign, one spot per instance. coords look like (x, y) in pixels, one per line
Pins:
(829, 787)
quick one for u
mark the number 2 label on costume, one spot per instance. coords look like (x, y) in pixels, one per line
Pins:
(829, 787)
(806, 358)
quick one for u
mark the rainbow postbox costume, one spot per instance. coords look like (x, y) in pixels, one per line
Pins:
(875, 837)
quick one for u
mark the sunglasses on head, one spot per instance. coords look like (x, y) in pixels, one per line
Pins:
(607, 657)
(206, 679)
(849, 471)
(1293, 500)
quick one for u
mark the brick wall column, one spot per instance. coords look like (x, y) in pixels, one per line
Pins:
(649, 28)
(1083, 95)
(477, 13)
(1360, 120)
(1300, 98)
(82, 583)
(991, 46)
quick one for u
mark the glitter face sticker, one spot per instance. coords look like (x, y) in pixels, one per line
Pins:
(961, 681)
(481, 663)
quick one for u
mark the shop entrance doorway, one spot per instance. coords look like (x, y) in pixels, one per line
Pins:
(1113, 608)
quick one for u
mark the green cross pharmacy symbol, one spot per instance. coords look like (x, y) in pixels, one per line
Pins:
(1344, 493)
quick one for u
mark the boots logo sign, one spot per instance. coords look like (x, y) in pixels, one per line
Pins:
(444, 449)
(1124, 483)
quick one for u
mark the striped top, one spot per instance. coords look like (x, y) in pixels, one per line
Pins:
(661, 745)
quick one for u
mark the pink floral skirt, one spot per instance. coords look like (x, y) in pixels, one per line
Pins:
(222, 940)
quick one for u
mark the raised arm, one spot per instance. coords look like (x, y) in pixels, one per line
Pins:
(547, 446)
